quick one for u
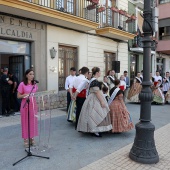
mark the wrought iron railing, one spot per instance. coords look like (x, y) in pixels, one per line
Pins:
(137, 42)
(110, 18)
(86, 9)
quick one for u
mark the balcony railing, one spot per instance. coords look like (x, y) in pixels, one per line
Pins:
(137, 43)
(109, 18)
(81, 8)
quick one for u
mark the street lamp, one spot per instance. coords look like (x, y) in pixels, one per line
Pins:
(143, 149)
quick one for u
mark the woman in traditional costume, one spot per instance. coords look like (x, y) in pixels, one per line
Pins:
(95, 117)
(158, 96)
(135, 89)
(24, 89)
(120, 116)
(167, 97)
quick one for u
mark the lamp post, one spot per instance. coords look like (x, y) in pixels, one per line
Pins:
(143, 149)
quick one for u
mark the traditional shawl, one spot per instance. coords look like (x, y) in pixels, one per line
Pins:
(113, 95)
(139, 79)
(88, 90)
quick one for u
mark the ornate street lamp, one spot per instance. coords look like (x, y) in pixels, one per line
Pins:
(143, 149)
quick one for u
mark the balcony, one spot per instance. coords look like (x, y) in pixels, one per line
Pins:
(136, 45)
(79, 15)
(113, 25)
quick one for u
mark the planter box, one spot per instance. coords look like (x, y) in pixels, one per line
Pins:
(101, 9)
(121, 12)
(115, 9)
(133, 17)
(94, 1)
(90, 7)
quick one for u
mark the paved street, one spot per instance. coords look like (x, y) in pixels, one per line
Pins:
(69, 149)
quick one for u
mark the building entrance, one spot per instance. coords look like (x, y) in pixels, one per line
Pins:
(16, 57)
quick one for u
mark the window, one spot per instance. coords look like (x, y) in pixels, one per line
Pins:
(163, 1)
(164, 33)
(67, 59)
(109, 58)
(65, 5)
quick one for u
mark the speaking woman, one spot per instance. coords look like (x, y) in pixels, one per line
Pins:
(24, 89)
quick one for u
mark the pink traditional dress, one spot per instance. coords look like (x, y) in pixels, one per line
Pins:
(25, 89)
(120, 117)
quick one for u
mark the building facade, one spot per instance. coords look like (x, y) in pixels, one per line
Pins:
(53, 35)
(136, 45)
(163, 36)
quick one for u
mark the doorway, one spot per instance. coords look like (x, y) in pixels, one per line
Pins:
(15, 56)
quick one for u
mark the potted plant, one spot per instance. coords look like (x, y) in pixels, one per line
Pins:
(92, 6)
(133, 17)
(115, 9)
(94, 1)
(101, 9)
(129, 20)
(122, 12)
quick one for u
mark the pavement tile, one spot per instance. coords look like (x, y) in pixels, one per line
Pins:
(162, 138)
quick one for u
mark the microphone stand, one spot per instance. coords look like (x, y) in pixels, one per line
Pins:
(29, 146)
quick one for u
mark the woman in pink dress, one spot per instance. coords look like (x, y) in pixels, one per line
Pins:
(24, 89)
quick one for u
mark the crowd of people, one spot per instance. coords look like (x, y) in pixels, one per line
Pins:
(160, 87)
(96, 106)
(93, 106)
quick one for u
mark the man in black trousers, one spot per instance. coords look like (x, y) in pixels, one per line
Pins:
(5, 91)
(78, 91)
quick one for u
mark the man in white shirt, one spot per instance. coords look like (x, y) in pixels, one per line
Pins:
(78, 91)
(111, 79)
(157, 77)
(68, 81)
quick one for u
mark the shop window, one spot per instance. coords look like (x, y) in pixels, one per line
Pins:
(108, 58)
(67, 59)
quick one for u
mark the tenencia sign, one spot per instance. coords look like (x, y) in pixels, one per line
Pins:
(15, 23)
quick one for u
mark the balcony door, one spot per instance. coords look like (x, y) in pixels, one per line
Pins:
(108, 59)
(67, 59)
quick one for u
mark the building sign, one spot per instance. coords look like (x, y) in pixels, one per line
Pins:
(14, 31)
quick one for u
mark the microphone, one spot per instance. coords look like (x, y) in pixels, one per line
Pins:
(36, 81)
